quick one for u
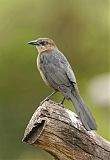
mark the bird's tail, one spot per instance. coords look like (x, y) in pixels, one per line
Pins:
(83, 112)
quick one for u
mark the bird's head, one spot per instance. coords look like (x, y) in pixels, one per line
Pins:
(43, 44)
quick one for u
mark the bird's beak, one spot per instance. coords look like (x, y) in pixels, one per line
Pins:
(35, 42)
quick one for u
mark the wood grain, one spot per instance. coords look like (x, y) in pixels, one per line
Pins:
(59, 131)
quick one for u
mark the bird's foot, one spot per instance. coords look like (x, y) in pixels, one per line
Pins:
(46, 99)
(62, 102)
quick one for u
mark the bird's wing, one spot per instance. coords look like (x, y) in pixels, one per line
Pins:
(58, 72)
(71, 75)
(55, 75)
(68, 70)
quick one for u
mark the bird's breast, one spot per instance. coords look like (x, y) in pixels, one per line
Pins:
(40, 62)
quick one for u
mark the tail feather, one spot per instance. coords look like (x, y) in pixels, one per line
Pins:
(83, 112)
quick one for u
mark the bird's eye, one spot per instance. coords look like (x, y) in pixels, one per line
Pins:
(43, 43)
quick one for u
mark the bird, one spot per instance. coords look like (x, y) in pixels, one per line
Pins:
(57, 73)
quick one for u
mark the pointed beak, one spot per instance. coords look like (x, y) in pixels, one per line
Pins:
(34, 43)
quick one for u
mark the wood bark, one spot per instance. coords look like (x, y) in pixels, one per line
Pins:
(59, 131)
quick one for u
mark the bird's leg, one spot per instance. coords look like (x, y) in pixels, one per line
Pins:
(62, 101)
(47, 98)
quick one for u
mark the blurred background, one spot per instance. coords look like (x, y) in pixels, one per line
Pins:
(81, 31)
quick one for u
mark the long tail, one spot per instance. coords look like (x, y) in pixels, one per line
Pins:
(83, 112)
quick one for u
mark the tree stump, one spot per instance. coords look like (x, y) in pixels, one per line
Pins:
(59, 131)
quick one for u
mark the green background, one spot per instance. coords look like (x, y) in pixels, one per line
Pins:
(80, 29)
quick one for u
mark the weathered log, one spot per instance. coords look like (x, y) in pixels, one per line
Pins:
(59, 131)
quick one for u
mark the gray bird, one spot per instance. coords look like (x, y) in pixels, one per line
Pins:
(58, 74)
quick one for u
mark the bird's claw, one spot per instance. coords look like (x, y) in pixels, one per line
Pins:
(47, 99)
(61, 104)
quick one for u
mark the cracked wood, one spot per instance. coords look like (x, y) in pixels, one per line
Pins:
(59, 131)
